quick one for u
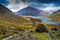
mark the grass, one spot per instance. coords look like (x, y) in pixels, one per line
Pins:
(14, 29)
(42, 36)
(8, 29)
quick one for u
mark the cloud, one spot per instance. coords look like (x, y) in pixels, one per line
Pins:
(50, 8)
(16, 5)
(42, 1)
(46, 5)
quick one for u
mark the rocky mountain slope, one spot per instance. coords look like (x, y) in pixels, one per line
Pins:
(31, 11)
(56, 16)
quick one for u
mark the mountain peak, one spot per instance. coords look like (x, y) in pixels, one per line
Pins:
(5, 11)
(29, 11)
(30, 7)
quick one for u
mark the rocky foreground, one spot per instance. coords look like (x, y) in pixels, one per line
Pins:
(25, 35)
(30, 35)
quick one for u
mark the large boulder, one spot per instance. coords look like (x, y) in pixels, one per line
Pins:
(41, 28)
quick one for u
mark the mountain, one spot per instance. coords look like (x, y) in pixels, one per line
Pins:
(56, 16)
(11, 23)
(9, 18)
(8, 15)
(31, 11)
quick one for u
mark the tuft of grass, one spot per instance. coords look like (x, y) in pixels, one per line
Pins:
(42, 36)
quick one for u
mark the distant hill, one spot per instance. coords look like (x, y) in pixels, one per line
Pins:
(31, 11)
(56, 16)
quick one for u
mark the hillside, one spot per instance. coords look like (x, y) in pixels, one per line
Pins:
(56, 16)
(8, 16)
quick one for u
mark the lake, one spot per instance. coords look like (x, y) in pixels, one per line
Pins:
(47, 20)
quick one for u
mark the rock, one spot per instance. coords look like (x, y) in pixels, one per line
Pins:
(34, 37)
(22, 36)
(41, 28)
(54, 29)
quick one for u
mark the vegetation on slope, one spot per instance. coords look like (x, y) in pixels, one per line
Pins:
(56, 16)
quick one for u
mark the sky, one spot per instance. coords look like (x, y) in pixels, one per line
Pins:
(46, 5)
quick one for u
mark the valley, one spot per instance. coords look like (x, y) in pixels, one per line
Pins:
(26, 26)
